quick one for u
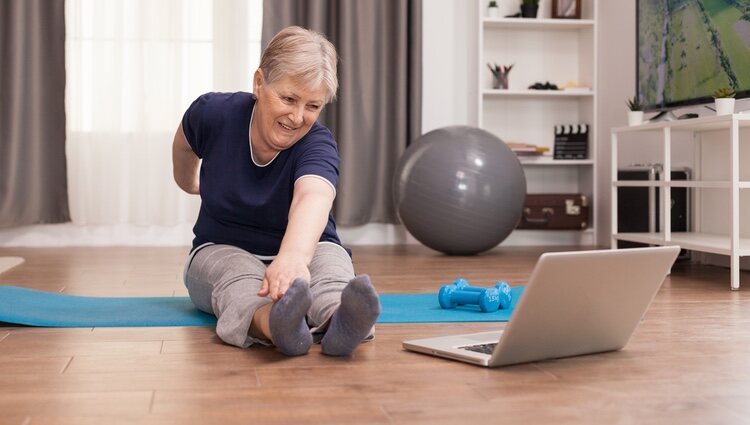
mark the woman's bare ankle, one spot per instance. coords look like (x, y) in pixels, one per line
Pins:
(259, 327)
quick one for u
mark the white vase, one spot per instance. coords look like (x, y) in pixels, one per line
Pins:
(724, 105)
(635, 117)
(493, 12)
(545, 9)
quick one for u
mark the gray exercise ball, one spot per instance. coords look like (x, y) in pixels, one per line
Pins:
(459, 190)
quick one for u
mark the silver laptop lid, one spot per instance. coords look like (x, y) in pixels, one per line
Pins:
(583, 302)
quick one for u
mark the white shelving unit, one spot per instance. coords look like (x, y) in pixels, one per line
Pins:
(542, 50)
(730, 243)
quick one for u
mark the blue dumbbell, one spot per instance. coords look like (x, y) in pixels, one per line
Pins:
(504, 292)
(461, 283)
(487, 299)
(502, 287)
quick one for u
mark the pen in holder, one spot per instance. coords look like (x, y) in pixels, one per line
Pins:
(500, 75)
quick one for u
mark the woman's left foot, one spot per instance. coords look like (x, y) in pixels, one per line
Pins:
(354, 319)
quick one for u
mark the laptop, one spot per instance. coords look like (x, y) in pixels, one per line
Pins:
(575, 303)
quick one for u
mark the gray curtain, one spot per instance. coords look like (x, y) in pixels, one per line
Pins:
(33, 179)
(378, 111)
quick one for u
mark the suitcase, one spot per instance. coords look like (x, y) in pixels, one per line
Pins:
(638, 208)
(555, 212)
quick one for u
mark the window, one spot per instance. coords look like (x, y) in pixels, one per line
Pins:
(133, 67)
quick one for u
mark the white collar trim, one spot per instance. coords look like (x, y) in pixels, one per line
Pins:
(250, 142)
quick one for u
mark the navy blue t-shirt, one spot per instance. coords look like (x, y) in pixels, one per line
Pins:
(244, 204)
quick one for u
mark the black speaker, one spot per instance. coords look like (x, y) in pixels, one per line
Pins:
(639, 208)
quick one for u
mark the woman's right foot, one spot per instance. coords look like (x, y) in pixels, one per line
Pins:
(287, 321)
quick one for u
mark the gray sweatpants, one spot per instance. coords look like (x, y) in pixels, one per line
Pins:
(223, 280)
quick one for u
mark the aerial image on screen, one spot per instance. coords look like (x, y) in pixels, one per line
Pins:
(689, 48)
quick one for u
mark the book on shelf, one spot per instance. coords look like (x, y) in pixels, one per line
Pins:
(526, 149)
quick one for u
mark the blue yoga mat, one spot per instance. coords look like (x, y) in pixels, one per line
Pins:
(424, 308)
(29, 307)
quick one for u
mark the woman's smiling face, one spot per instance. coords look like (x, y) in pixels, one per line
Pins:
(285, 111)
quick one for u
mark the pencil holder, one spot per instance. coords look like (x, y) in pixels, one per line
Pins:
(500, 81)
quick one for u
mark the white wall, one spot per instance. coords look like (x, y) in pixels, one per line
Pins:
(449, 79)
(616, 82)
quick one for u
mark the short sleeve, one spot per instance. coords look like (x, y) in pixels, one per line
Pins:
(318, 156)
(195, 124)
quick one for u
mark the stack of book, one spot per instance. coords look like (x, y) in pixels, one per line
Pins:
(525, 149)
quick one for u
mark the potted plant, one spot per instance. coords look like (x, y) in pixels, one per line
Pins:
(492, 9)
(724, 101)
(529, 8)
(635, 115)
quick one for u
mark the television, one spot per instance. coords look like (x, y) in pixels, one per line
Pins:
(686, 49)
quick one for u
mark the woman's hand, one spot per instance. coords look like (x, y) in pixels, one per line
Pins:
(281, 273)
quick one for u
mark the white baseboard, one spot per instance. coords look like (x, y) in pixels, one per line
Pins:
(375, 234)
(68, 234)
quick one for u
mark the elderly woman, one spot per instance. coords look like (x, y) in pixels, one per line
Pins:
(266, 259)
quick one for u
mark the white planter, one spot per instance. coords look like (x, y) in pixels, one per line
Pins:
(493, 12)
(724, 105)
(635, 117)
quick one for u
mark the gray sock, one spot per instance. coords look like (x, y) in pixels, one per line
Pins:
(289, 329)
(354, 318)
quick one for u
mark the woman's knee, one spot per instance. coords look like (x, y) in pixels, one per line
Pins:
(331, 263)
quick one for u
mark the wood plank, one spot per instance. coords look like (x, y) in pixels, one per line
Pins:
(32, 365)
(204, 379)
(120, 291)
(120, 404)
(15, 420)
(352, 395)
(206, 345)
(39, 332)
(62, 347)
(329, 414)
(580, 411)
(234, 360)
(166, 334)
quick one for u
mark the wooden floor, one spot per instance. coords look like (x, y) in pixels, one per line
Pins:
(688, 363)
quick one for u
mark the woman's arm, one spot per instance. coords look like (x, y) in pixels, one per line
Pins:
(185, 163)
(308, 216)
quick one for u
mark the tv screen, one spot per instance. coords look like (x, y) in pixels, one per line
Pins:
(689, 48)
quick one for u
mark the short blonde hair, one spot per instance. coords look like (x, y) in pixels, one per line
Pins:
(304, 55)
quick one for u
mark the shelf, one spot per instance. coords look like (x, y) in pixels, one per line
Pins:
(538, 24)
(542, 50)
(728, 225)
(681, 183)
(549, 161)
(704, 242)
(707, 123)
(536, 93)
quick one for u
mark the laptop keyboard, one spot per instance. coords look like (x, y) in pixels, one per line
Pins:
(480, 348)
